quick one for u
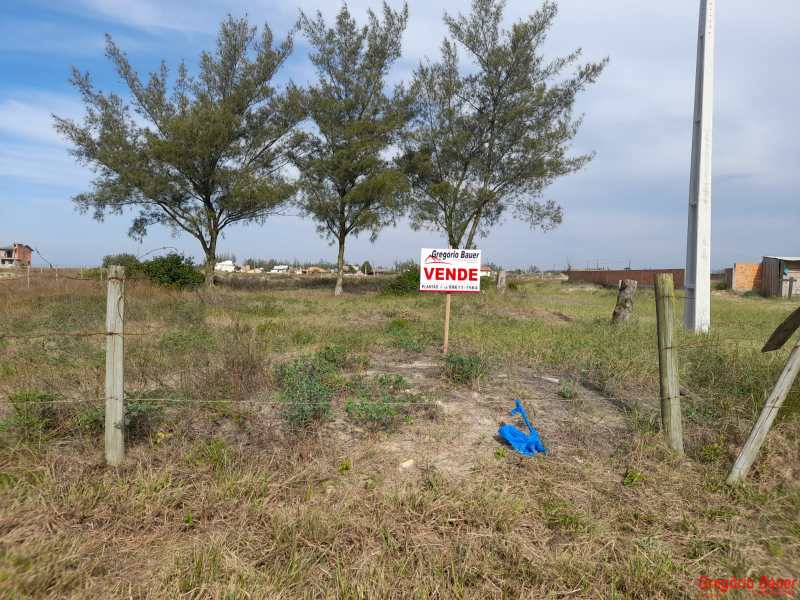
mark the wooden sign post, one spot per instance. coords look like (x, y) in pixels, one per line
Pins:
(449, 271)
(446, 321)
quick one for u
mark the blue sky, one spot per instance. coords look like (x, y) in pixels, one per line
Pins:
(630, 203)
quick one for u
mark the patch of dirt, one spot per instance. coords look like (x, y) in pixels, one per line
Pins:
(461, 432)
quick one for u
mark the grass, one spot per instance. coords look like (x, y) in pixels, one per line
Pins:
(221, 496)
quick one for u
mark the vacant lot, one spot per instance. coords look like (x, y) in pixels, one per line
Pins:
(282, 443)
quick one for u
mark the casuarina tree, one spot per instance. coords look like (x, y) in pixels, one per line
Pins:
(348, 186)
(488, 142)
(207, 154)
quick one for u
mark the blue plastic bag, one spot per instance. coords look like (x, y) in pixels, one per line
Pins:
(525, 444)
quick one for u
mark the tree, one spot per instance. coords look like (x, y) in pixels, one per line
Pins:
(348, 187)
(206, 156)
(492, 141)
(366, 268)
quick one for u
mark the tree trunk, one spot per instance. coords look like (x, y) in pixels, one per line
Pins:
(340, 270)
(473, 230)
(501, 282)
(211, 262)
(624, 308)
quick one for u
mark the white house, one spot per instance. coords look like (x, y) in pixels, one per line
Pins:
(280, 269)
(226, 266)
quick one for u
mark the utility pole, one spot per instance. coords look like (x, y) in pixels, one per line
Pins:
(697, 308)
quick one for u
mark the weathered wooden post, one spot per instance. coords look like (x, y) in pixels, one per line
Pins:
(624, 307)
(668, 361)
(115, 407)
(502, 286)
(759, 432)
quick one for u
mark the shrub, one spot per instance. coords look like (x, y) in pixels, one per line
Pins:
(307, 394)
(719, 285)
(334, 355)
(464, 369)
(125, 259)
(512, 286)
(404, 284)
(173, 270)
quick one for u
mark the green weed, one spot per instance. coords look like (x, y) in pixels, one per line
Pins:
(467, 369)
(307, 393)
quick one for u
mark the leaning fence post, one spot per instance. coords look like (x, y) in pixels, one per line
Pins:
(759, 432)
(115, 409)
(668, 361)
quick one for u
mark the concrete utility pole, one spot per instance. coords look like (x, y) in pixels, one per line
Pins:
(697, 308)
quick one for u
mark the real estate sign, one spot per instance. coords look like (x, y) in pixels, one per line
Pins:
(450, 270)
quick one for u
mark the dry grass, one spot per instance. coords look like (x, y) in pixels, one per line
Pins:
(219, 498)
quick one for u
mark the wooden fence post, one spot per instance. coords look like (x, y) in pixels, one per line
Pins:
(668, 361)
(115, 406)
(624, 308)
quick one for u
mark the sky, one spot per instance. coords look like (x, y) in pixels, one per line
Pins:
(628, 206)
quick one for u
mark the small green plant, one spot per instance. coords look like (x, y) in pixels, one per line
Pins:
(719, 285)
(333, 355)
(512, 286)
(567, 392)
(464, 369)
(32, 414)
(211, 452)
(402, 334)
(303, 337)
(344, 467)
(499, 453)
(308, 393)
(188, 518)
(633, 478)
(711, 453)
(379, 402)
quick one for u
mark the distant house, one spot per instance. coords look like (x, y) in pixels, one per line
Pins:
(225, 266)
(280, 269)
(314, 270)
(773, 276)
(380, 271)
(16, 255)
(486, 271)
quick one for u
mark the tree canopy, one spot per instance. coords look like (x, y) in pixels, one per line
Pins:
(491, 141)
(348, 186)
(207, 155)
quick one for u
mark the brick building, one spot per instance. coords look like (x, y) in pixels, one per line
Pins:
(644, 277)
(773, 276)
(16, 255)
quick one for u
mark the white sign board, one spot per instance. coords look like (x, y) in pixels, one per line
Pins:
(450, 270)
